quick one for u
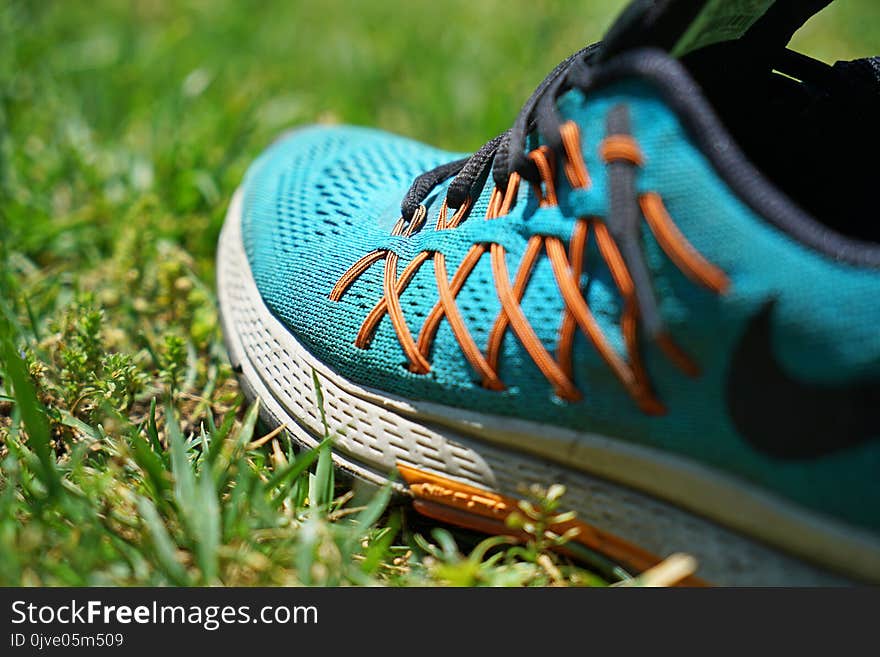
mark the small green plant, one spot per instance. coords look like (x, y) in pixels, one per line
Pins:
(119, 381)
(173, 361)
(505, 561)
(536, 515)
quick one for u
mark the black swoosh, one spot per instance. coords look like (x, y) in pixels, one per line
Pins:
(790, 419)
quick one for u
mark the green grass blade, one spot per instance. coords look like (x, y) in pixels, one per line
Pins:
(321, 488)
(293, 472)
(32, 415)
(246, 432)
(374, 510)
(319, 400)
(152, 466)
(322, 483)
(75, 423)
(166, 552)
(377, 552)
(218, 437)
(184, 479)
(197, 501)
(207, 528)
(153, 430)
(32, 318)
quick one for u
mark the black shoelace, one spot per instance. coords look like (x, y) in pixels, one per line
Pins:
(507, 150)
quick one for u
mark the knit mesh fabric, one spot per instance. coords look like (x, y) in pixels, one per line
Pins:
(322, 198)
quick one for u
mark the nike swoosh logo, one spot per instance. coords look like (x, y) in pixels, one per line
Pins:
(790, 419)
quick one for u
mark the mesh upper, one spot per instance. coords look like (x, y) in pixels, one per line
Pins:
(320, 199)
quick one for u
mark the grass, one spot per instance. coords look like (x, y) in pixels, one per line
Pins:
(127, 455)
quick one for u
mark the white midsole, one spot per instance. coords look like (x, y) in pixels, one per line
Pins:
(376, 430)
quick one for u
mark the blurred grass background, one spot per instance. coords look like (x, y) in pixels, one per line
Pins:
(124, 129)
(108, 101)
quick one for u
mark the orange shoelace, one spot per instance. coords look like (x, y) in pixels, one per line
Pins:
(567, 264)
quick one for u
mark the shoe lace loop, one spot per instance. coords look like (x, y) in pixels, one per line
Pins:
(507, 150)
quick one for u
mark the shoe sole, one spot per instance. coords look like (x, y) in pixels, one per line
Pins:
(662, 503)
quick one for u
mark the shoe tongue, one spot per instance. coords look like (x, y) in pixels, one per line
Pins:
(682, 26)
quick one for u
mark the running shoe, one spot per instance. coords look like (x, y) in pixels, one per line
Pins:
(660, 288)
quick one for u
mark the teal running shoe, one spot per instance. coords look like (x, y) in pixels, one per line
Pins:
(660, 288)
